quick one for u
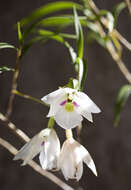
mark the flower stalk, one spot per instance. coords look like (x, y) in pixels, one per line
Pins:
(51, 122)
(69, 133)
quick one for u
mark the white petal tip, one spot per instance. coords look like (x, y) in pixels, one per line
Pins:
(97, 110)
(16, 157)
(23, 164)
(92, 167)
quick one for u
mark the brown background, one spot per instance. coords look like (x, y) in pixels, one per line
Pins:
(44, 69)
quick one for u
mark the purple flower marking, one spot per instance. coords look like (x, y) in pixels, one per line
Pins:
(63, 103)
(42, 144)
(75, 104)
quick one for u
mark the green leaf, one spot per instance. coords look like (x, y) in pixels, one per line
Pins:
(73, 54)
(117, 10)
(82, 67)
(69, 36)
(79, 34)
(29, 44)
(121, 99)
(20, 38)
(46, 34)
(51, 35)
(73, 83)
(59, 21)
(49, 8)
(70, 83)
(3, 69)
(6, 45)
(91, 36)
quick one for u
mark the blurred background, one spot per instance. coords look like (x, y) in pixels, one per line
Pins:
(43, 69)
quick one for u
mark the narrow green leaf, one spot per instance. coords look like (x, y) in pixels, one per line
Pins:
(121, 99)
(69, 36)
(73, 54)
(79, 34)
(29, 44)
(117, 10)
(82, 71)
(49, 8)
(46, 34)
(6, 45)
(51, 35)
(73, 83)
(91, 36)
(60, 21)
(5, 69)
(19, 33)
(70, 83)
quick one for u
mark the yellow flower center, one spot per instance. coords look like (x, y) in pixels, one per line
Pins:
(69, 107)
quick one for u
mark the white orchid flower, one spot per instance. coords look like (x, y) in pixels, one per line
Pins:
(68, 105)
(47, 144)
(71, 160)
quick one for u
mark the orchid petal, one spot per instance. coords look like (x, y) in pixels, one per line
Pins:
(86, 103)
(50, 98)
(79, 171)
(66, 161)
(87, 115)
(32, 148)
(66, 119)
(50, 152)
(89, 162)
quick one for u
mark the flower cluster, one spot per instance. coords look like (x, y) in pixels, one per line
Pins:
(69, 160)
(67, 106)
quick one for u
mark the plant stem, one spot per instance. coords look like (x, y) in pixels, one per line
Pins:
(29, 97)
(128, 5)
(14, 84)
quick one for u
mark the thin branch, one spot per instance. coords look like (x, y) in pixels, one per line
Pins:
(36, 167)
(122, 40)
(26, 96)
(14, 84)
(105, 22)
(110, 46)
(128, 5)
(14, 129)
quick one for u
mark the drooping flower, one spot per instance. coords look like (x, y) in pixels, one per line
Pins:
(47, 144)
(68, 105)
(71, 160)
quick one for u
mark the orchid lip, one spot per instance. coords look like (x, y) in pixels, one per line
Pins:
(63, 103)
(75, 104)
